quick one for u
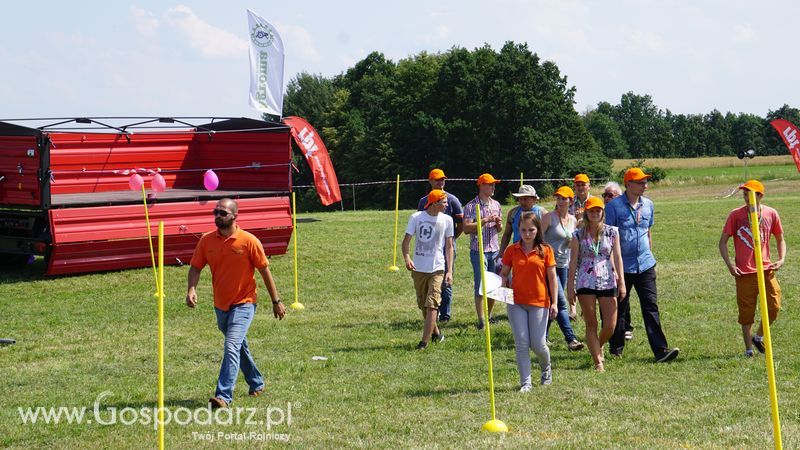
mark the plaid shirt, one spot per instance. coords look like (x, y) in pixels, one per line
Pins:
(490, 208)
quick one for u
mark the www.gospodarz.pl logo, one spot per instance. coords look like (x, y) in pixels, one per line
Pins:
(262, 36)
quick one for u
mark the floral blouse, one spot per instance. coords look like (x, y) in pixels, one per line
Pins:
(595, 269)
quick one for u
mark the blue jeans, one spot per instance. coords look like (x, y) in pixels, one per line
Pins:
(563, 315)
(447, 292)
(489, 260)
(234, 324)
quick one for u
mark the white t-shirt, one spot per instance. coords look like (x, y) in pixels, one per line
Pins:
(430, 233)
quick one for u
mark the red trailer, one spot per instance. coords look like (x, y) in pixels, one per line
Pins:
(64, 191)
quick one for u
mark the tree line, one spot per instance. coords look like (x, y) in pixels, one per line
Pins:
(499, 111)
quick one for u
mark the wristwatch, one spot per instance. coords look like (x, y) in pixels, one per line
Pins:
(275, 302)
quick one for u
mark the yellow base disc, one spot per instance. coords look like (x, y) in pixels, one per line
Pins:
(495, 426)
(393, 268)
(297, 306)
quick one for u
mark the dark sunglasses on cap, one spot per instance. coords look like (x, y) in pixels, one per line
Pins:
(607, 194)
(221, 213)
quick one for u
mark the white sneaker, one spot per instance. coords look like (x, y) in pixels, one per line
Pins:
(525, 388)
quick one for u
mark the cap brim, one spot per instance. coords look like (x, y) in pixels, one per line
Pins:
(525, 195)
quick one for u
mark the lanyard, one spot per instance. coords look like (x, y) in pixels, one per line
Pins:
(568, 235)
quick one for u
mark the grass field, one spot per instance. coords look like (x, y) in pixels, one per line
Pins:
(706, 162)
(84, 335)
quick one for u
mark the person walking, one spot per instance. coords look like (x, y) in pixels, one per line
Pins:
(557, 227)
(596, 276)
(491, 226)
(743, 268)
(233, 255)
(532, 264)
(633, 215)
(436, 178)
(431, 267)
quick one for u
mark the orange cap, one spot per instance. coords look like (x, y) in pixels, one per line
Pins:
(436, 174)
(753, 185)
(565, 191)
(635, 174)
(435, 196)
(581, 178)
(487, 178)
(594, 202)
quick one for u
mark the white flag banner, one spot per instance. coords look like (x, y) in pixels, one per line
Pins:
(266, 66)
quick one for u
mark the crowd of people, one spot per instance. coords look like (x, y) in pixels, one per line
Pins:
(587, 250)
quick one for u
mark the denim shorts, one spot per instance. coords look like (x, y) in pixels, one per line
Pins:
(489, 263)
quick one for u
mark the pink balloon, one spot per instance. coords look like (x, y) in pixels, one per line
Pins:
(158, 184)
(210, 180)
(135, 182)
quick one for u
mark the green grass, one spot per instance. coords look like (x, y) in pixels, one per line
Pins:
(82, 335)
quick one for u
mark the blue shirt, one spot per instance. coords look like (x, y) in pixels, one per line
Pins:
(634, 225)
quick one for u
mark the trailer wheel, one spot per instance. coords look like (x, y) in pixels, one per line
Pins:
(13, 261)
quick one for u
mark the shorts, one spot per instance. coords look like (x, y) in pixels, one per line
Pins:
(597, 293)
(429, 288)
(747, 296)
(489, 264)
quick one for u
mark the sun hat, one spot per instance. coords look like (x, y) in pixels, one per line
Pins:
(526, 190)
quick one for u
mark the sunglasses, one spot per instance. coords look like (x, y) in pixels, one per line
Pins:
(607, 194)
(221, 213)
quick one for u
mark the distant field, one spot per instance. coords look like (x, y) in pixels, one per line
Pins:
(717, 161)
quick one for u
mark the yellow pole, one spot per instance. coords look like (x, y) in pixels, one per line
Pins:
(161, 335)
(521, 179)
(493, 425)
(393, 267)
(149, 237)
(773, 393)
(296, 305)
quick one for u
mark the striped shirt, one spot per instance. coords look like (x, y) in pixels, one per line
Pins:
(490, 208)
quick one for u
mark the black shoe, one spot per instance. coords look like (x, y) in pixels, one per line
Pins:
(616, 354)
(759, 344)
(422, 345)
(492, 320)
(667, 355)
(444, 319)
(479, 325)
(436, 338)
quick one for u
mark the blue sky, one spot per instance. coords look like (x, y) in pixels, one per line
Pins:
(190, 58)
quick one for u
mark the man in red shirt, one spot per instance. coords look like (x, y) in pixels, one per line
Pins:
(744, 268)
(233, 255)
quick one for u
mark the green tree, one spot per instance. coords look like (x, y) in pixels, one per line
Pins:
(606, 133)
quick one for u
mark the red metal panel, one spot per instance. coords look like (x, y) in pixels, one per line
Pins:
(16, 188)
(115, 237)
(85, 163)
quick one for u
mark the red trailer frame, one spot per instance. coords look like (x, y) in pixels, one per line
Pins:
(64, 190)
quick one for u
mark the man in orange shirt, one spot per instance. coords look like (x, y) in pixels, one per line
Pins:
(233, 255)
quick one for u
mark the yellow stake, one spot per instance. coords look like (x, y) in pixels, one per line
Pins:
(493, 425)
(762, 297)
(521, 179)
(160, 288)
(149, 237)
(296, 305)
(393, 267)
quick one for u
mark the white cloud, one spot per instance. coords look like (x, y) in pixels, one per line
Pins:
(144, 21)
(298, 40)
(439, 33)
(210, 41)
(743, 33)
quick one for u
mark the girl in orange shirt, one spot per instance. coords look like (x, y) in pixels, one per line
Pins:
(534, 283)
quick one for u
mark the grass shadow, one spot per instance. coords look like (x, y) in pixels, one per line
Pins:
(442, 392)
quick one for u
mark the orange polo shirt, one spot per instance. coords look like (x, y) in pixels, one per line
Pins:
(233, 261)
(529, 271)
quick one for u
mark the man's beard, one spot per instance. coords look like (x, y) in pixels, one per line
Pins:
(221, 224)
